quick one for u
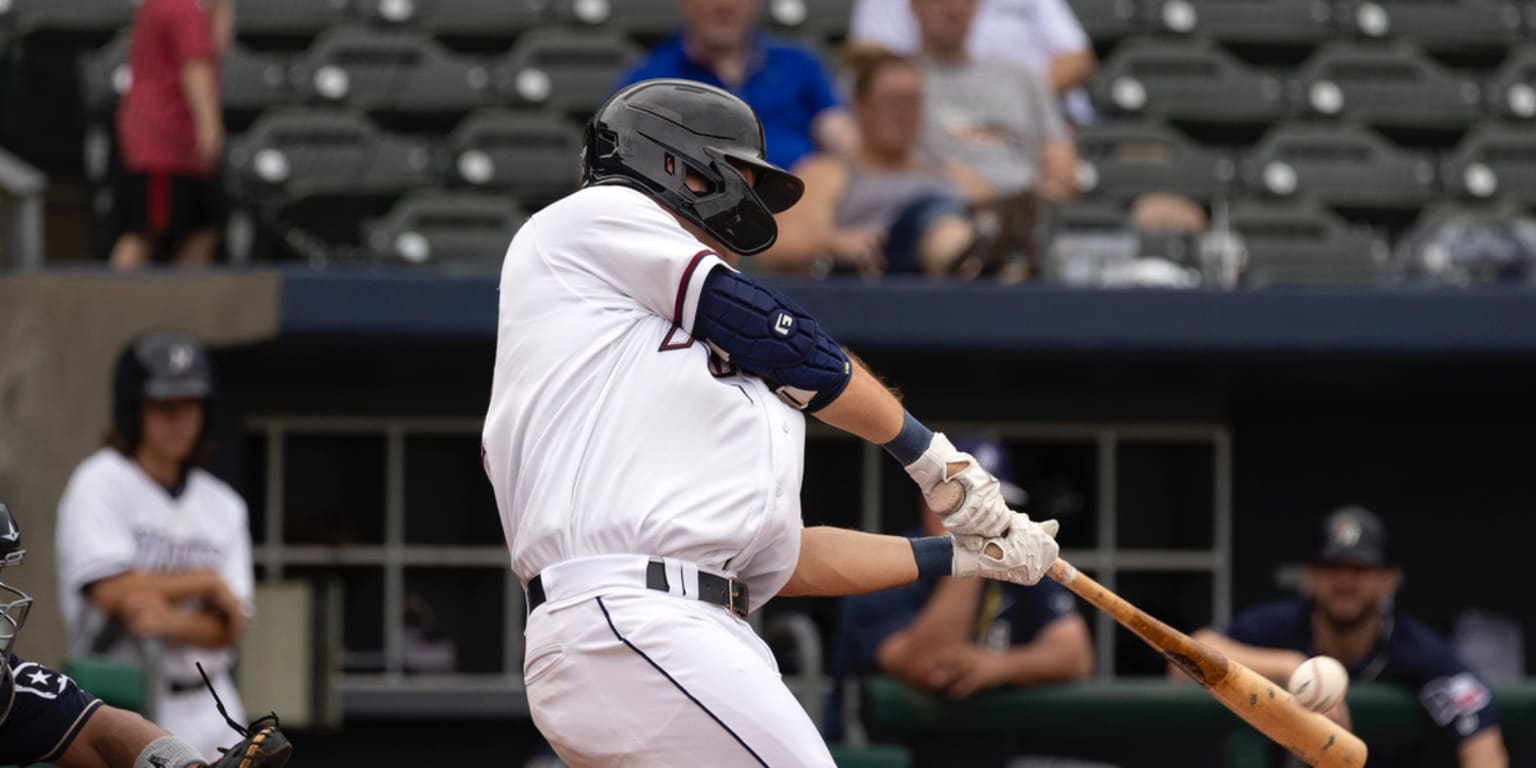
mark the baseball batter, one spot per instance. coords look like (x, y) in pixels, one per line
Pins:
(645, 441)
(150, 545)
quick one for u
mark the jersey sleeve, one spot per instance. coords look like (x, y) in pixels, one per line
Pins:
(94, 539)
(1059, 27)
(1456, 700)
(47, 712)
(622, 251)
(1272, 625)
(865, 621)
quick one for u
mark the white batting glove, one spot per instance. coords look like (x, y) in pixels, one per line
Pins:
(981, 510)
(1027, 551)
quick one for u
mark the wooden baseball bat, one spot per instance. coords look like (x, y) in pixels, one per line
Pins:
(1266, 705)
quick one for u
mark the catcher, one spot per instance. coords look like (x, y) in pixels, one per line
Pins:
(45, 717)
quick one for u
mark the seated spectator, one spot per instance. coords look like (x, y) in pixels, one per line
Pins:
(959, 637)
(784, 83)
(885, 207)
(1348, 614)
(990, 115)
(1042, 36)
(170, 131)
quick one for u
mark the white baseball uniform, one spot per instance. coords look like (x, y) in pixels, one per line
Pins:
(114, 518)
(611, 440)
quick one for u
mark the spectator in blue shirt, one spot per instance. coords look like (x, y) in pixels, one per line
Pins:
(959, 637)
(1348, 614)
(784, 83)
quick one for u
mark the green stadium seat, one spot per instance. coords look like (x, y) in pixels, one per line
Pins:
(288, 18)
(1495, 162)
(644, 18)
(1512, 91)
(1300, 244)
(389, 72)
(1122, 161)
(1245, 22)
(446, 229)
(531, 156)
(457, 18)
(818, 18)
(1338, 165)
(71, 15)
(1385, 85)
(1437, 25)
(296, 152)
(105, 75)
(1108, 21)
(566, 70)
(1190, 80)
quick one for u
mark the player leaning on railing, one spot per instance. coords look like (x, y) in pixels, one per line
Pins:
(47, 718)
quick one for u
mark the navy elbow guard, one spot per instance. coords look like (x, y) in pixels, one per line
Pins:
(768, 335)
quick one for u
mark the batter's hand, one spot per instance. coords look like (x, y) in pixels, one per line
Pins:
(1021, 556)
(942, 473)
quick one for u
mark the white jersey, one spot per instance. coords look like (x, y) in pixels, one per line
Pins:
(113, 518)
(607, 431)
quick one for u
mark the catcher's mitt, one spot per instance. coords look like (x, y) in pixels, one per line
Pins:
(262, 744)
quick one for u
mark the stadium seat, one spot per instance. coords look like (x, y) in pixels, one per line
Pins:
(531, 156)
(105, 76)
(446, 229)
(566, 70)
(1250, 22)
(1495, 162)
(1383, 85)
(1190, 80)
(296, 18)
(1341, 165)
(1512, 91)
(250, 82)
(296, 152)
(70, 15)
(820, 18)
(457, 18)
(1108, 21)
(383, 71)
(1296, 245)
(646, 18)
(1437, 25)
(1122, 161)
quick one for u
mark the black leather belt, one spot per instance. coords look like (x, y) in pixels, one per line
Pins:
(179, 687)
(716, 590)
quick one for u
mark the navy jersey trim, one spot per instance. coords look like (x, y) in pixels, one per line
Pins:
(678, 686)
(69, 736)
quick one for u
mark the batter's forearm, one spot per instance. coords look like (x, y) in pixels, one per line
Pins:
(838, 561)
(866, 408)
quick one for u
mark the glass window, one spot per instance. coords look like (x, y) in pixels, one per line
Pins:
(333, 489)
(1165, 495)
(1181, 600)
(448, 500)
(454, 620)
(362, 620)
(256, 484)
(1061, 479)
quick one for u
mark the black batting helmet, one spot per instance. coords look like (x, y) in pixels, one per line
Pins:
(14, 603)
(159, 365)
(651, 134)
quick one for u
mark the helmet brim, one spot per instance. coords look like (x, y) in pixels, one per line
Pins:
(177, 389)
(777, 188)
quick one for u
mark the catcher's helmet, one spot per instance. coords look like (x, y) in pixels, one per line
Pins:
(651, 134)
(14, 603)
(159, 365)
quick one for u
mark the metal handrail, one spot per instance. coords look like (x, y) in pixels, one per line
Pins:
(27, 185)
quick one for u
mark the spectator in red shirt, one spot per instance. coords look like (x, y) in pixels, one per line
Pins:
(170, 132)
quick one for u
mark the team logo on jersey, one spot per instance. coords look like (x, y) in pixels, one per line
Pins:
(783, 323)
(1454, 697)
(38, 680)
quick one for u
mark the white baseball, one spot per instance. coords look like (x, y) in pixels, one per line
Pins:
(1319, 683)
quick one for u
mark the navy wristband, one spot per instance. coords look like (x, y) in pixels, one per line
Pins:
(935, 556)
(911, 441)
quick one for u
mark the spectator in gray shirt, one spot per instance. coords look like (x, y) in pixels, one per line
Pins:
(994, 117)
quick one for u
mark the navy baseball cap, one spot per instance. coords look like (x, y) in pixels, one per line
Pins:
(992, 455)
(1353, 536)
